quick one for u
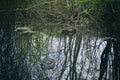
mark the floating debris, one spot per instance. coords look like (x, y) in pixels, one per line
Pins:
(109, 38)
(21, 29)
(47, 63)
(69, 31)
(24, 30)
(28, 32)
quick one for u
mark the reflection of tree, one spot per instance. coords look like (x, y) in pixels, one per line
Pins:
(70, 59)
(72, 51)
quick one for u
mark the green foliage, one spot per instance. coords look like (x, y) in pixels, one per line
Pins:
(79, 1)
(56, 16)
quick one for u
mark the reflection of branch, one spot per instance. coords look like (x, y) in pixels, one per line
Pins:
(66, 57)
(104, 59)
(47, 41)
(76, 52)
(72, 71)
(63, 68)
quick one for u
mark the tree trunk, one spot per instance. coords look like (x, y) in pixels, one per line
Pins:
(7, 22)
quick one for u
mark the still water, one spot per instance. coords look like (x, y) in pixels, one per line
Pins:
(67, 54)
(66, 57)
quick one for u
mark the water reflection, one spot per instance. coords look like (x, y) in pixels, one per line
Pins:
(76, 57)
(66, 57)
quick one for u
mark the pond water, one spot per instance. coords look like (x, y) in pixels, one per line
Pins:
(74, 56)
(56, 55)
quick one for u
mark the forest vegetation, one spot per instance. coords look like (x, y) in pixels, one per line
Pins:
(23, 24)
